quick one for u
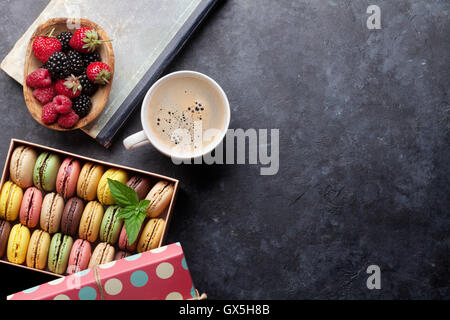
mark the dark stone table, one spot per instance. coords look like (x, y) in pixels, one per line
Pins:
(364, 119)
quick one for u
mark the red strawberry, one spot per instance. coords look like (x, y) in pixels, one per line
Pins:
(99, 72)
(45, 46)
(69, 87)
(40, 78)
(85, 40)
(68, 120)
(44, 95)
(63, 104)
(49, 114)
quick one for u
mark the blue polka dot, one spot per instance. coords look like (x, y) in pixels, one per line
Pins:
(193, 293)
(82, 273)
(31, 289)
(139, 278)
(87, 293)
(134, 257)
(184, 264)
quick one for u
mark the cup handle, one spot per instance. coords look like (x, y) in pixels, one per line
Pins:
(136, 140)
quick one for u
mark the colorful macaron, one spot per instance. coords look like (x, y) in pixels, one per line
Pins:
(111, 225)
(30, 209)
(10, 200)
(160, 197)
(67, 178)
(58, 255)
(90, 221)
(21, 166)
(73, 210)
(5, 229)
(141, 185)
(45, 171)
(38, 249)
(103, 253)
(151, 235)
(88, 180)
(18, 241)
(51, 212)
(123, 240)
(80, 255)
(103, 192)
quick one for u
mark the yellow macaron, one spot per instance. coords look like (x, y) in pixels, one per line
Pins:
(103, 192)
(88, 181)
(19, 238)
(10, 200)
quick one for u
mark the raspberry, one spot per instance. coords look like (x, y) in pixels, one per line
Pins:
(49, 114)
(44, 95)
(68, 120)
(63, 104)
(39, 79)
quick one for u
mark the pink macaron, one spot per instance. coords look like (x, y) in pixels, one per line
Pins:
(67, 178)
(30, 208)
(79, 256)
(123, 240)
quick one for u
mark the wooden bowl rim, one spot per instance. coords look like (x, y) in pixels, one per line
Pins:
(28, 92)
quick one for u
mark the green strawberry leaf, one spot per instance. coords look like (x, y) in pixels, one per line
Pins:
(123, 194)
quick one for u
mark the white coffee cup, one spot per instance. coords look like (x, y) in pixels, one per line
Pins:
(147, 136)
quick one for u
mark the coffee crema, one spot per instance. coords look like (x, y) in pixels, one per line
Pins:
(182, 110)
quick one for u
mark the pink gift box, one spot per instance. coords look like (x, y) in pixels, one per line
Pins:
(158, 274)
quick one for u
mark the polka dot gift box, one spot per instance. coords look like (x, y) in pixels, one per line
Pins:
(159, 274)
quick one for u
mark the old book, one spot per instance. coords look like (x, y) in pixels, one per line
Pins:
(147, 35)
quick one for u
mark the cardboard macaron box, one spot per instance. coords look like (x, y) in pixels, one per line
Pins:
(58, 214)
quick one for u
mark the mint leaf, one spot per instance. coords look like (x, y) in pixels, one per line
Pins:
(127, 212)
(123, 194)
(143, 204)
(133, 226)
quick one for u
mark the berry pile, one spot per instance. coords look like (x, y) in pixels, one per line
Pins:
(71, 73)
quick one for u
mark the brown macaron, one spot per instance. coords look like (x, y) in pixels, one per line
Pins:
(121, 254)
(141, 185)
(151, 235)
(103, 253)
(160, 197)
(5, 228)
(71, 217)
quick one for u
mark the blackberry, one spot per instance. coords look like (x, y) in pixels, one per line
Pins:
(89, 88)
(58, 65)
(82, 105)
(91, 57)
(64, 38)
(76, 62)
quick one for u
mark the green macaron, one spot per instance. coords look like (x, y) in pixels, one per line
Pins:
(46, 170)
(111, 225)
(58, 255)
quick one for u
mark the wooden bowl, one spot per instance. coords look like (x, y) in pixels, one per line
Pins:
(99, 99)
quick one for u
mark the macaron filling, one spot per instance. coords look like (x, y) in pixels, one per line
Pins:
(42, 170)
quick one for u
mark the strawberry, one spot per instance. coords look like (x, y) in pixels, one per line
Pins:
(44, 95)
(85, 40)
(46, 45)
(69, 87)
(40, 78)
(99, 72)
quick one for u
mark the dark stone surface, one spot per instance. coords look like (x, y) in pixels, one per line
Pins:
(364, 149)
